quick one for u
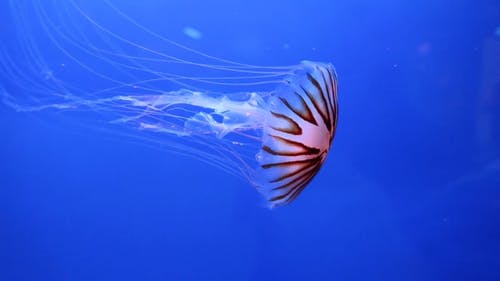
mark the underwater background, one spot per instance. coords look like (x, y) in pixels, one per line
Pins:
(410, 190)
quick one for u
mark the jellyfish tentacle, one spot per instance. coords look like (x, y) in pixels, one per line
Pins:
(168, 41)
(69, 61)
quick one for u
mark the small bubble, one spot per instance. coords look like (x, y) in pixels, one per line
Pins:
(192, 32)
(258, 157)
(47, 74)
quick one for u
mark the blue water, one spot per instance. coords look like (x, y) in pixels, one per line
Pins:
(410, 191)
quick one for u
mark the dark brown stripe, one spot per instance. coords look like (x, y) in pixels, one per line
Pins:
(325, 105)
(301, 173)
(316, 105)
(329, 90)
(306, 114)
(286, 164)
(288, 175)
(303, 179)
(287, 153)
(293, 127)
(335, 100)
(304, 149)
(302, 186)
(303, 182)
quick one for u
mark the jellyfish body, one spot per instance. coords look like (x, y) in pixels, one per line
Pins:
(299, 131)
(276, 139)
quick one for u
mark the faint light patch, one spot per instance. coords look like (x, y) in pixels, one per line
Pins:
(286, 46)
(192, 32)
(47, 74)
(424, 48)
(497, 32)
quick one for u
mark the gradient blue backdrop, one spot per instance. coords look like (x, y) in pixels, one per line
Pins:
(411, 190)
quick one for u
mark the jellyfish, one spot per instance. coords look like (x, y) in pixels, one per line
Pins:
(272, 126)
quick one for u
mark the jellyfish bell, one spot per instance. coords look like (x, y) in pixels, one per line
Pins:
(298, 132)
(276, 136)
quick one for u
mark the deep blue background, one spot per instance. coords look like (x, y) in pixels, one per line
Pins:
(411, 190)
